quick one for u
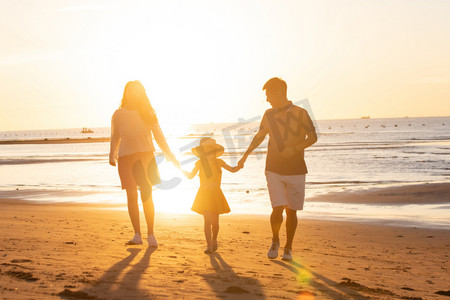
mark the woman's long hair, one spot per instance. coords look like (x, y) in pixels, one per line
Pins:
(135, 97)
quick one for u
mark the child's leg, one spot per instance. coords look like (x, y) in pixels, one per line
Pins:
(207, 227)
(215, 225)
(215, 229)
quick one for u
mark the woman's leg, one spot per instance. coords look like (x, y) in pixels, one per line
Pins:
(207, 227)
(133, 209)
(149, 209)
(215, 229)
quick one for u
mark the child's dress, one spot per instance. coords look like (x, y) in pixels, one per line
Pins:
(210, 196)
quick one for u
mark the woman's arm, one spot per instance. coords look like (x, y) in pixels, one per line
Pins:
(115, 141)
(162, 143)
(231, 169)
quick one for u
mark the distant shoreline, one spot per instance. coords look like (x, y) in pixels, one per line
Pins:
(233, 122)
(56, 141)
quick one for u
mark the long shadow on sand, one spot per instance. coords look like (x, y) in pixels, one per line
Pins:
(329, 287)
(225, 282)
(110, 286)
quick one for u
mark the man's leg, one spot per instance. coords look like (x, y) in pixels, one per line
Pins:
(291, 226)
(276, 219)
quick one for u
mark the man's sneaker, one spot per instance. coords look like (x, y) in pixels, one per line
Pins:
(273, 251)
(287, 255)
(135, 241)
(152, 241)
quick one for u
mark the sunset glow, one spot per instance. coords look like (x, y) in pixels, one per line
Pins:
(66, 63)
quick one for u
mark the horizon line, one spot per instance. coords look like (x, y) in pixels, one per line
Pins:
(235, 122)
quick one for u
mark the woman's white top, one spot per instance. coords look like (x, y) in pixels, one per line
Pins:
(130, 134)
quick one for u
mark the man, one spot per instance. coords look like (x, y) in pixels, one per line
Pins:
(290, 131)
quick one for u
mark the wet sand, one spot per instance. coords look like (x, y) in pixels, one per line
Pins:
(78, 252)
(425, 193)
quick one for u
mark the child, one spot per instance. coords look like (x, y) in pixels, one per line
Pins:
(210, 200)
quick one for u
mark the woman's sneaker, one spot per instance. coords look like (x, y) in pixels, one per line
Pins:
(152, 241)
(273, 251)
(287, 255)
(137, 240)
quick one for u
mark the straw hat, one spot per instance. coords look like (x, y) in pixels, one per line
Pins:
(208, 146)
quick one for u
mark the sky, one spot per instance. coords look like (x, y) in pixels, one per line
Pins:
(64, 64)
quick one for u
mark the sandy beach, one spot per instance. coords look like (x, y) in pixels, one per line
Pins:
(77, 252)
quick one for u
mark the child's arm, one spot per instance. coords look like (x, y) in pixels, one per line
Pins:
(191, 174)
(227, 167)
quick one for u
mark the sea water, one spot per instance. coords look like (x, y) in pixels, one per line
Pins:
(350, 155)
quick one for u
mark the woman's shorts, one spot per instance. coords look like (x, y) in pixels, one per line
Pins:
(286, 190)
(138, 170)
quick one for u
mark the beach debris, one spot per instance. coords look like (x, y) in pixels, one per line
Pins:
(247, 191)
(68, 294)
(235, 290)
(359, 287)
(443, 293)
(20, 260)
(245, 232)
(70, 243)
(70, 286)
(408, 288)
(22, 275)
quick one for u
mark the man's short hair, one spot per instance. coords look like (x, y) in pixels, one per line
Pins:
(276, 85)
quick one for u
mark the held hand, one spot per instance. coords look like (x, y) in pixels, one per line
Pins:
(241, 163)
(171, 157)
(176, 163)
(235, 169)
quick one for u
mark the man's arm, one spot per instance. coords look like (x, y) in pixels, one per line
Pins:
(256, 141)
(311, 138)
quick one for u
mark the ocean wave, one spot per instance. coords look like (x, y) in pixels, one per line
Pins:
(44, 161)
(340, 182)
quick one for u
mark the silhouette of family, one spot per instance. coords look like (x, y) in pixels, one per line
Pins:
(134, 125)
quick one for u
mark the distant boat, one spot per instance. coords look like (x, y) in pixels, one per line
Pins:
(86, 130)
(366, 117)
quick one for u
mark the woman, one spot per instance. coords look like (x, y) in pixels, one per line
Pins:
(132, 126)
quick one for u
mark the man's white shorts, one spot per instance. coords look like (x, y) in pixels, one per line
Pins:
(286, 190)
